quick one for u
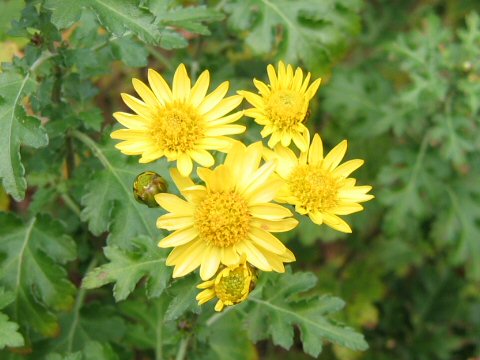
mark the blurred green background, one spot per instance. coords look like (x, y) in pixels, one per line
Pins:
(401, 82)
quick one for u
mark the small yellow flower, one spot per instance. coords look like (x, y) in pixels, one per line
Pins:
(282, 107)
(181, 123)
(318, 185)
(231, 286)
(231, 216)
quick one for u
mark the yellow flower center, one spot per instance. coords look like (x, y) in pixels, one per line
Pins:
(234, 286)
(222, 218)
(178, 127)
(315, 188)
(286, 108)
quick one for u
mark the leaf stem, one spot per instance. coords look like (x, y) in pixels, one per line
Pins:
(78, 305)
(182, 349)
(72, 205)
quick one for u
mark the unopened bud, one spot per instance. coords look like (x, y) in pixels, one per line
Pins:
(146, 186)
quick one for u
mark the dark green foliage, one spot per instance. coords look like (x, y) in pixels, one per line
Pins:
(81, 275)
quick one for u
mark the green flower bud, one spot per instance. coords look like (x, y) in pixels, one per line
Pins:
(146, 186)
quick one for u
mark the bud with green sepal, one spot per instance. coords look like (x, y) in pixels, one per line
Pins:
(146, 186)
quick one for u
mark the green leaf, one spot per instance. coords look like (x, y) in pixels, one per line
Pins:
(9, 335)
(183, 291)
(127, 267)
(33, 253)
(189, 18)
(64, 12)
(130, 52)
(278, 305)
(311, 31)
(93, 350)
(108, 202)
(16, 128)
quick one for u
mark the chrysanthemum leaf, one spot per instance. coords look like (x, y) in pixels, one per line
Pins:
(281, 303)
(310, 31)
(31, 268)
(9, 335)
(108, 202)
(126, 267)
(16, 129)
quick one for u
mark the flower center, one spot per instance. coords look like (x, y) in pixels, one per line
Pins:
(286, 108)
(233, 287)
(222, 219)
(315, 188)
(177, 127)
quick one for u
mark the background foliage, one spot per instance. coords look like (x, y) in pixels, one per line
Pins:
(401, 82)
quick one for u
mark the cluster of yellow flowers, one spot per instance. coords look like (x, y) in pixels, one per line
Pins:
(224, 225)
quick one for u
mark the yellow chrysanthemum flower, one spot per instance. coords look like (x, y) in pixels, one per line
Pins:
(181, 123)
(318, 185)
(231, 286)
(282, 107)
(231, 216)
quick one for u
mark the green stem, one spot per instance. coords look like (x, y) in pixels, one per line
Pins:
(214, 318)
(76, 309)
(159, 57)
(182, 349)
(72, 205)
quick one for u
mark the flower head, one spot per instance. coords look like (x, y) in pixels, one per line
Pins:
(231, 286)
(228, 217)
(181, 123)
(318, 185)
(282, 106)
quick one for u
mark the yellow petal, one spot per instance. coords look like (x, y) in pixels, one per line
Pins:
(259, 178)
(159, 86)
(205, 296)
(210, 262)
(300, 142)
(229, 256)
(266, 192)
(305, 83)
(129, 134)
(275, 226)
(206, 284)
(272, 76)
(229, 129)
(346, 209)
(348, 167)
(131, 121)
(200, 88)
(315, 153)
(180, 181)
(212, 99)
(189, 262)
(173, 221)
(266, 240)
(145, 93)
(253, 99)
(262, 87)
(181, 84)
(269, 211)
(336, 223)
(184, 164)
(179, 237)
(335, 156)
(223, 107)
(150, 156)
(226, 119)
(172, 203)
(202, 157)
(219, 306)
(312, 89)
(253, 255)
(138, 106)
(316, 217)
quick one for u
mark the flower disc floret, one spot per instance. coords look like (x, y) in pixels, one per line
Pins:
(222, 219)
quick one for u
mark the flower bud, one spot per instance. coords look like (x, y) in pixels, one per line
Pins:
(146, 186)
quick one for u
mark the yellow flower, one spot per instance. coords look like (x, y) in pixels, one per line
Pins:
(318, 185)
(282, 107)
(231, 216)
(181, 123)
(231, 286)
